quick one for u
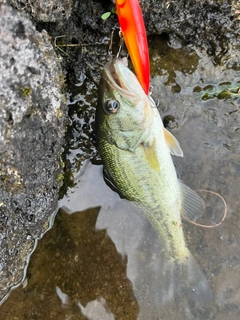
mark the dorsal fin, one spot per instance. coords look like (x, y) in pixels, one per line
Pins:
(173, 144)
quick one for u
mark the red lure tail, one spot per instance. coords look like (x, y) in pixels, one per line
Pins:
(134, 34)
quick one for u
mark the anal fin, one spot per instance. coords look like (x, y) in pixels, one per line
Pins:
(192, 206)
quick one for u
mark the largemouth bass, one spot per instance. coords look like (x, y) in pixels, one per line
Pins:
(136, 153)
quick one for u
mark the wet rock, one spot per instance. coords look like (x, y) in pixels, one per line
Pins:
(203, 23)
(32, 126)
(207, 23)
(213, 25)
(45, 11)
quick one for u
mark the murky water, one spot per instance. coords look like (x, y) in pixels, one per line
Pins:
(100, 259)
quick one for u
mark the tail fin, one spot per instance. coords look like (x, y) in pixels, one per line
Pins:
(180, 280)
(201, 292)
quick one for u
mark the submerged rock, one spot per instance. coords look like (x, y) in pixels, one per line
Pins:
(32, 126)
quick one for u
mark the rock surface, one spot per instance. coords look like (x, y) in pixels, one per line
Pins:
(210, 24)
(45, 11)
(32, 126)
(207, 23)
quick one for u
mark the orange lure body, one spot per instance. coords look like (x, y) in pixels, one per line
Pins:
(134, 33)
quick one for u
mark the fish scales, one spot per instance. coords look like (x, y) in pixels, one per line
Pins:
(151, 199)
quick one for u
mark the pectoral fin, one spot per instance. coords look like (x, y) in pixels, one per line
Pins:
(151, 157)
(173, 144)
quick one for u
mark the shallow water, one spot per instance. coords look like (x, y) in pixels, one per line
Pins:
(98, 260)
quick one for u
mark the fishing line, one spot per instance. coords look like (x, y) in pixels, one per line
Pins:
(223, 217)
(120, 45)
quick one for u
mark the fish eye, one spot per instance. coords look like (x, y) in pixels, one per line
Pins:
(111, 106)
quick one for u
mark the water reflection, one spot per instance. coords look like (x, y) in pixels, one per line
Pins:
(96, 310)
(138, 245)
(75, 273)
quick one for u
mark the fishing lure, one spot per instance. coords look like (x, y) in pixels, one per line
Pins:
(134, 33)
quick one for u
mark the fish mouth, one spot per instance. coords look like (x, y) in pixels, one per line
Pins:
(114, 79)
(118, 76)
